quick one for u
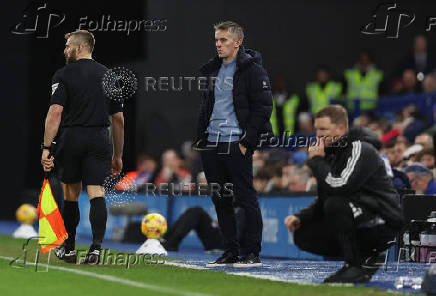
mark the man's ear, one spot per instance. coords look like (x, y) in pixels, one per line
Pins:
(343, 128)
(238, 42)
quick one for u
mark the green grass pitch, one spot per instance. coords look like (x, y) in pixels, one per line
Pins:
(65, 279)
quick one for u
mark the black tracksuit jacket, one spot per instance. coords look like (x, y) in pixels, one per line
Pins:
(355, 171)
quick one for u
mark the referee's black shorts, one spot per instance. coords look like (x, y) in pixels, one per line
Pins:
(84, 155)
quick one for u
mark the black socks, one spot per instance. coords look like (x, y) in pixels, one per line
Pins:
(71, 217)
(98, 218)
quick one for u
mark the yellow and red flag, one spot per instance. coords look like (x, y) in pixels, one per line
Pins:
(51, 225)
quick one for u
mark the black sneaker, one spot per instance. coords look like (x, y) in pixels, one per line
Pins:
(350, 274)
(337, 273)
(226, 259)
(60, 251)
(372, 263)
(93, 256)
(251, 260)
(68, 254)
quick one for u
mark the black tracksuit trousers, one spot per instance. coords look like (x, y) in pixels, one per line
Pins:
(337, 232)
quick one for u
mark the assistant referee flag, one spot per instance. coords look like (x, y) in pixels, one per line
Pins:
(51, 225)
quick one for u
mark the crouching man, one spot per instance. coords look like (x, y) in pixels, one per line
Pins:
(357, 213)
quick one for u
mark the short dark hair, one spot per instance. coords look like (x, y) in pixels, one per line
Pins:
(232, 27)
(84, 37)
(425, 151)
(336, 113)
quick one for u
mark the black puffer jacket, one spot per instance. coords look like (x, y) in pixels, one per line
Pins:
(252, 99)
(355, 171)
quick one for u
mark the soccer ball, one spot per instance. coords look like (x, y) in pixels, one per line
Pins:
(153, 225)
(26, 214)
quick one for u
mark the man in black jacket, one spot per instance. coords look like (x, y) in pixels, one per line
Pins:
(234, 115)
(357, 212)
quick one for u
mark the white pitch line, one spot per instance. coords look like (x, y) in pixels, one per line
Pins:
(183, 265)
(115, 279)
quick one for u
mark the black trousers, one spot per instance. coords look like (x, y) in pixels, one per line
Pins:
(337, 233)
(194, 219)
(226, 164)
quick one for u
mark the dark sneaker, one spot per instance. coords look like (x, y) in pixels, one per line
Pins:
(68, 254)
(70, 257)
(168, 246)
(60, 251)
(251, 260)
(337, 273)
(226, 259)
(93, 256)
(373, 263)
(350, 274)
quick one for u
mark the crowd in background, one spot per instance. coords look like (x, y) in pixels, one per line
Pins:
(406, 138)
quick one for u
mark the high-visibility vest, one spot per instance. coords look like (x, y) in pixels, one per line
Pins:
(320, 97)
(273, 119)
(289, 112)
(363, 87)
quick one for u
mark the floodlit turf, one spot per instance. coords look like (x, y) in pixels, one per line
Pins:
(138, 279)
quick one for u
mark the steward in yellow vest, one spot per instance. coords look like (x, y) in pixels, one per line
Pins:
(320, 92)
(363, 82)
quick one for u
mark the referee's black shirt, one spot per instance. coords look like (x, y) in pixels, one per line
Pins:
(78, 88)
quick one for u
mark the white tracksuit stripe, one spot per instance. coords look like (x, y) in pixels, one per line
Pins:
(346, 173)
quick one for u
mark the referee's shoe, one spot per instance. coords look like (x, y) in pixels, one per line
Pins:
(68, 254)
(93, 256)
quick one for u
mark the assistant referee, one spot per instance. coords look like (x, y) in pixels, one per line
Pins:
(79, 119)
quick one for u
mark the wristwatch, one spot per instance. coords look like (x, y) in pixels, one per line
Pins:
(45, 147)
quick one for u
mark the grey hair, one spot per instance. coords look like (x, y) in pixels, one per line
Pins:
(234, 28)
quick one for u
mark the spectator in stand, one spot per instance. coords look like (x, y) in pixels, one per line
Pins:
(388, 149)
(261, 179)
(277, 183)
(319, 93)
(285, 107)
(400, 147)
(192, 160)
(259, 160)
(432, 129)
(429, 83)
(145, 173)
(425, 139)
(414, 123)
(421, 179)
(407, 84)
(419, 60)
(409, 155)
(427, 158)
(363, 82)
(298, 180)
(305, 125)
(390, 155)
(172, 171)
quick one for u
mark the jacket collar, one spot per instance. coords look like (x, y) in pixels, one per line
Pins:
(243, 59)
